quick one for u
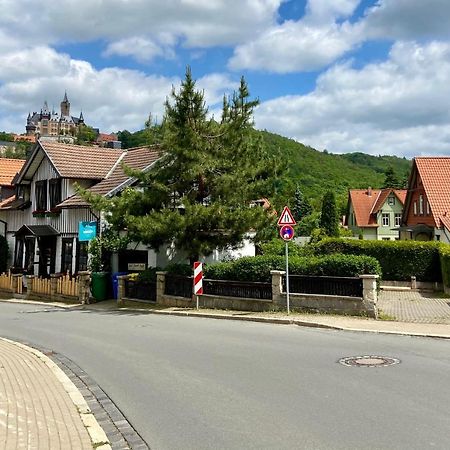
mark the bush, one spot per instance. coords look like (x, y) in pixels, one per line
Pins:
(277, 247)
(3, 254)
(148, 275)
(444, 252)
(399, 260)
(258, 268)
(180, 269)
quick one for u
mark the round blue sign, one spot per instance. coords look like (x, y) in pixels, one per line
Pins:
(287, 232)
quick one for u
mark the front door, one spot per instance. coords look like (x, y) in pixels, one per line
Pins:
(47, 255)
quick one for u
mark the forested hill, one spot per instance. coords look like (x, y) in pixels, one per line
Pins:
(316, 172)
(313, 171)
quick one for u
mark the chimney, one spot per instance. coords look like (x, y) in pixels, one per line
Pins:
(369, 191)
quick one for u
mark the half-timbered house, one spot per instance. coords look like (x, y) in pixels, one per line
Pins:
(42, 231)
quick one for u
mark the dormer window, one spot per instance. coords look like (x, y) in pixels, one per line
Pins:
(391, 200)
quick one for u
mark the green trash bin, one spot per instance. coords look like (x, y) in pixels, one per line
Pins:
(100, 285)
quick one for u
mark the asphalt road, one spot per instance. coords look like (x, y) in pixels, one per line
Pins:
(192, 383)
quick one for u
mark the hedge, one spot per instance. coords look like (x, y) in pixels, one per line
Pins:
(258, 268)
(399, 260)
(445, 264)
(3, 254)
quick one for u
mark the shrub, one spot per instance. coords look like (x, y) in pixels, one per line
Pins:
(180, 269)
(277, 247)
(148, 275)
(399, 260)
(3, 254)
(258, 268)
(444, 252)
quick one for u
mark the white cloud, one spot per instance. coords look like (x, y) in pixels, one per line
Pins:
(196, 23)
(304, 45)
(408, 19)
(111, 98)
(140, 48)
(399, 106)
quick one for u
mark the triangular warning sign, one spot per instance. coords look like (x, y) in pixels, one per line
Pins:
(286, 218)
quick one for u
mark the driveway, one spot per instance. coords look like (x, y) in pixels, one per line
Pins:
(415, 306)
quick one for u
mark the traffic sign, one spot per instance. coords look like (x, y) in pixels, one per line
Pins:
(286, 218)
(287, 232)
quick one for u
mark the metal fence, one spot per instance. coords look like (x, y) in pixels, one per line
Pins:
(261, 291)
(343, 286)
(140, 290)
(178, 285)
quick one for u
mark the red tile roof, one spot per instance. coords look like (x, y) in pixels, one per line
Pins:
(366, 206)
(136, 158)
(78, 161)
(435, 175)
(8, 170)
(363, 204)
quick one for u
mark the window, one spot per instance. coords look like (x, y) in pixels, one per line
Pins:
(41, 195)
(415, 208)
(18, 257)
(438, 237)
(398, 219)
(421, 204)
(66, 255)
(82, 256)
(385, 219)
(55, 192)
(428, 208)
(391, 200)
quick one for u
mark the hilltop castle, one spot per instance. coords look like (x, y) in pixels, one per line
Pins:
(53, 125)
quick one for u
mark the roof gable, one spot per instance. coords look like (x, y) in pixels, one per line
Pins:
(140, 158)
(363, 201)
(71, 161)
(435, 175)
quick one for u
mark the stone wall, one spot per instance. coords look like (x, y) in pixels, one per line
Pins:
(366, 305)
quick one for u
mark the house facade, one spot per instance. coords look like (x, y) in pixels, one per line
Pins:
(42, 237)
(427, 207)
(375, 214)
(43, 216)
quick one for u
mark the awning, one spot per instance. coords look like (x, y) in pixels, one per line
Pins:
(36, 230)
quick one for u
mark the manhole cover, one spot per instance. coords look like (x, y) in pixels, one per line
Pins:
(368, 361)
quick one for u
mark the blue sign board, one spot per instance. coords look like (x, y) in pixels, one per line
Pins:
(87, 231)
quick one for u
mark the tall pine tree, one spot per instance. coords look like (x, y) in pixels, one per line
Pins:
(329, 219)
(301, 208)
(198, 195)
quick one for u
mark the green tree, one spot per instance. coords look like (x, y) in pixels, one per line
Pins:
(301, 208)
(391, 180)
(199, 193)
(86, 135)
(329, 219)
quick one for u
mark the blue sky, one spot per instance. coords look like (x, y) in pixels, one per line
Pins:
(341, 75)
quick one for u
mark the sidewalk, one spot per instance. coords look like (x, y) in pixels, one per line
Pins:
(40, 408)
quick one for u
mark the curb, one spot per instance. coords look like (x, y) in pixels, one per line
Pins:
(269, 320)
(281, 321)
(98, 436)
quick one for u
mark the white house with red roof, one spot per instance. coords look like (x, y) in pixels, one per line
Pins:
(375, 213)
(427, 207)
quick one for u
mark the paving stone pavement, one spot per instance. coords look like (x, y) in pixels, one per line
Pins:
(415, 306)
(36, 412)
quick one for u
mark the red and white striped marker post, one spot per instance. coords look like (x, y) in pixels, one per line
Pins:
(198, 280)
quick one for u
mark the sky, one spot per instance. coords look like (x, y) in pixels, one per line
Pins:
(341, 75)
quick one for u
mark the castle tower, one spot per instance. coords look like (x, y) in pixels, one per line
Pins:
(65, 106)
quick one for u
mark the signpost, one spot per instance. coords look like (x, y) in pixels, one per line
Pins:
(198, 280)
(286, 222)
